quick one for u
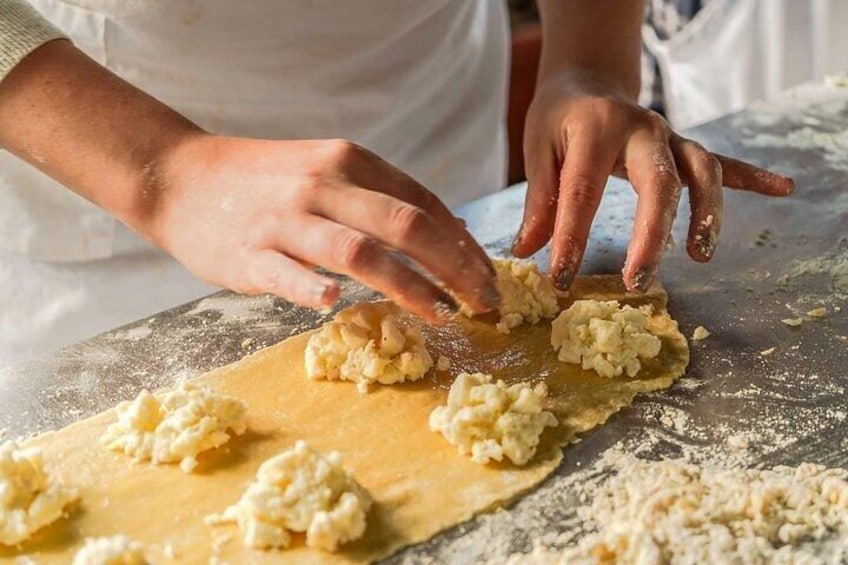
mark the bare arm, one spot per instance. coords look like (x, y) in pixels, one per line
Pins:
(88, 129)
(584, 124)
(251, 215)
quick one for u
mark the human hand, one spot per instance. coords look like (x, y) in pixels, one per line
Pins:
(579, 130)
(255, 216)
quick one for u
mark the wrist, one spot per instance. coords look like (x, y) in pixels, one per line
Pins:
(587, 80)
(159, 172)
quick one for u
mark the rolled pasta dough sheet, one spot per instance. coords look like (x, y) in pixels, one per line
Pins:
(420, 484)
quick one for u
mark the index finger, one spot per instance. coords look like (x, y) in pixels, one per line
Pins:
(744, 176)
(374, 173)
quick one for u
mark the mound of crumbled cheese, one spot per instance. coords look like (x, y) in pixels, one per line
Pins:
(29, 498)
(176, 425)
(491, 420)
(527, 296)
(605, 337)
(300, 490)
(677, 512)
(115, 550)
(366, 344)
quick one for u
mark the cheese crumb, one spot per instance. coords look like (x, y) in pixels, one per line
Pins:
(605, 337)
(115, 550)
(675, 512)
(700, 333)
(793, 322)
(300, 490)
(367, 345)
(817, 312)
(443, 363)
(527, 296)
(29, 497)
(175, 426)
(491, 421)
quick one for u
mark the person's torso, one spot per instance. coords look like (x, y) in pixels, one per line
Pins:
(420, 82)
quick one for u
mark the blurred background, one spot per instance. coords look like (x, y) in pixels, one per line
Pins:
(702, 58)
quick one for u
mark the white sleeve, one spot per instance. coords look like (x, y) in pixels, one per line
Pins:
(22, 30)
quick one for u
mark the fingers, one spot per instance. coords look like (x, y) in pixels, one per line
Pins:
(371, 172)
(348, 251)
(540, 203)
(743, 176)
(588, 163)
(271, 272)
(416, 233)
(652, 171)
(702, 172)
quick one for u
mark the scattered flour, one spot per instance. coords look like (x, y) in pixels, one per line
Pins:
(672, 511)
(234, 308)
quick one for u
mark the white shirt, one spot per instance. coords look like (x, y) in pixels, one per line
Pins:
(420, 82)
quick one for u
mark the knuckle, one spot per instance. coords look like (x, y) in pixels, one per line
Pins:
(406, 220)
(712, 168)
(342, 150)
(355, 250)
(582, 189)
(656, 124)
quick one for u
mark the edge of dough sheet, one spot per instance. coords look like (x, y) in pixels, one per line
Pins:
(420, 484)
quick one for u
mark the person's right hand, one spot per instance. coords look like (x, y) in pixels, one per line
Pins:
(254, 216)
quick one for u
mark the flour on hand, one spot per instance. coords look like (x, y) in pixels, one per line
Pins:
(175, 426)
(300, 490)
(491, 421)
(366, 344)
(605, 337)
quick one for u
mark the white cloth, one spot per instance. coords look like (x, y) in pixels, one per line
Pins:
(735, 52)
(420, 82)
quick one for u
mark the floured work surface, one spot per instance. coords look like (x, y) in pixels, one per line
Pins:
(420, 483)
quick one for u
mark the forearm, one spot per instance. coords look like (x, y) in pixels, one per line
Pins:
(602, 37)
(89, 130)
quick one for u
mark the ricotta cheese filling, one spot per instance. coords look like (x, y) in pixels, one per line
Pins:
(367, 345)
(604, 337)
(29, 497)
(175, 426)
(300, 490)
(490, 420)
(114, 550)
(527, 296)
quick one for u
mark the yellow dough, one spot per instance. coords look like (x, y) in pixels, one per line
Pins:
(419, 483)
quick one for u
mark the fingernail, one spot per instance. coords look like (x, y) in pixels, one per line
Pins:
(445, 307)
(705, 243)
(642, 279)
(564, 278)
(324, 293)
(519, 236)
(490, 296)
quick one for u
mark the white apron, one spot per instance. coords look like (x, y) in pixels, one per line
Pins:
(735, 52)
(420, 82)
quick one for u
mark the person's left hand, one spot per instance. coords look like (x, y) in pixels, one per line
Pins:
(579, 130)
